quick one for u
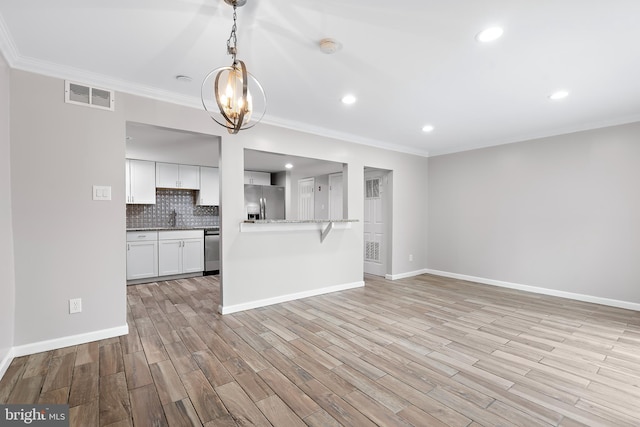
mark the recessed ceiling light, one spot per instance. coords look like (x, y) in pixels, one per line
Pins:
(561, 94)
(183, 79)
(490, 34)
(427, 128)
(288, 166)
(348, 99)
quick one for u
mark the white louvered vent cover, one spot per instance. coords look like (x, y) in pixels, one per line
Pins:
(81, 94)
(372, 251)
(372, 188)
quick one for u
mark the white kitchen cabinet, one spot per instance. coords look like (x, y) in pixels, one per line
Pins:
(180, 251)
(142, 254)
(193, 255)
(140, 182)
(171, 175)
(209, 187)
(257, 178)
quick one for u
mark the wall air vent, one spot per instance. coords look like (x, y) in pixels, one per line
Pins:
(81, 94)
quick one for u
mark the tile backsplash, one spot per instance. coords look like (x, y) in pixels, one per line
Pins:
(183, 202)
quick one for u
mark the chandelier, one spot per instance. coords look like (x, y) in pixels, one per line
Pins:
(227, 91)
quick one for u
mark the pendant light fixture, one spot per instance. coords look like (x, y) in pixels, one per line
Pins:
(227, 92)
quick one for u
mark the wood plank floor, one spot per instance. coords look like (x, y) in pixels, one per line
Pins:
(424, 351)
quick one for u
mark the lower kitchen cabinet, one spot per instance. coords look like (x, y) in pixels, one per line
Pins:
(180, 252)
(142, 254)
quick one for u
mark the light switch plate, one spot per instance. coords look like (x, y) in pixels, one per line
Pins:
(101, 192)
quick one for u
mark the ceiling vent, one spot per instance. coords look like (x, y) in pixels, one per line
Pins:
(81, 94)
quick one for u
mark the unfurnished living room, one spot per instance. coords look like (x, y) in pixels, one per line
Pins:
(322, 213)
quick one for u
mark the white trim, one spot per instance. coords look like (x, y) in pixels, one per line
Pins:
(56, 343)
(290, 297)
(4, 364)
(537, 290)
(405, 275)
(343, 136)
(7, 46)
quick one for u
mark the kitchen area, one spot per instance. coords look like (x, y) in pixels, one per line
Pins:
(172, 211)
(173, 199)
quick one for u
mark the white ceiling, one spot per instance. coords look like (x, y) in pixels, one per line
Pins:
(409, 63)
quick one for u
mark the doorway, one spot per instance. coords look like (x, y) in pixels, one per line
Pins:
(377, 220)
(306, 207)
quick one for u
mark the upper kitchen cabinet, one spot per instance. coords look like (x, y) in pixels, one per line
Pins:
(171, 175)
(209, 187)
(257, 178)
(140, 182)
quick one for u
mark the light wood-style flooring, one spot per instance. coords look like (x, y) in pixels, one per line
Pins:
(424, 351)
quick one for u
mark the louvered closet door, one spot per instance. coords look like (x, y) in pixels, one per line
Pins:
(374, 226)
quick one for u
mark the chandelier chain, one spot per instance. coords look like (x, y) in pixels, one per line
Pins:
(231, 47)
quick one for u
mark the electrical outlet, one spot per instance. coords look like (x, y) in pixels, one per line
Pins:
(75, 305)
(410, 257)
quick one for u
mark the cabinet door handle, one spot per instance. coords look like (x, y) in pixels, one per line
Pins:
(128, 247)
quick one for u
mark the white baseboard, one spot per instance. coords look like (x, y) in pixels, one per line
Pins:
(405, 275)
(289, 297)
(6, 361)
(544, 291)
(37, 347)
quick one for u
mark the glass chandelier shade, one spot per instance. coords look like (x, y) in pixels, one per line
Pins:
(227, 91)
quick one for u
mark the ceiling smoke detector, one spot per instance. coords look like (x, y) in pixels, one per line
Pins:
(329, 46)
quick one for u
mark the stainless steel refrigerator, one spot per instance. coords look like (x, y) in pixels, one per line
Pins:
(264, 201)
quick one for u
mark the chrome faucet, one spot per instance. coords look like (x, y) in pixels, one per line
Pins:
(173, 218)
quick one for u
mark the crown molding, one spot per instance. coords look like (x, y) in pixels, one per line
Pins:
(343, 136)
(564, 130)
(7, 47)
(17, 61)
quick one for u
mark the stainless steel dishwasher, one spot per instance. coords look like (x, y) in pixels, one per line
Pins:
(212, 250)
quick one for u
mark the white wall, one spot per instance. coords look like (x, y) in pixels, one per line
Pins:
(561, 213)
(172, 147)
(266, 266)
(262, 265)
(66, 245)
(7, 276)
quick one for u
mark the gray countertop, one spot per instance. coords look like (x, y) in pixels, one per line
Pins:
(203, 227)
(296, 221)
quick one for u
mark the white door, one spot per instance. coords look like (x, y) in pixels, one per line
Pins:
(209, 194)
(142, 181)
(374, 225)
(306, 206)
(142, 259)
(169, 257)
(189, 177)
(167, 175)
(335, 196)
(192, 255)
